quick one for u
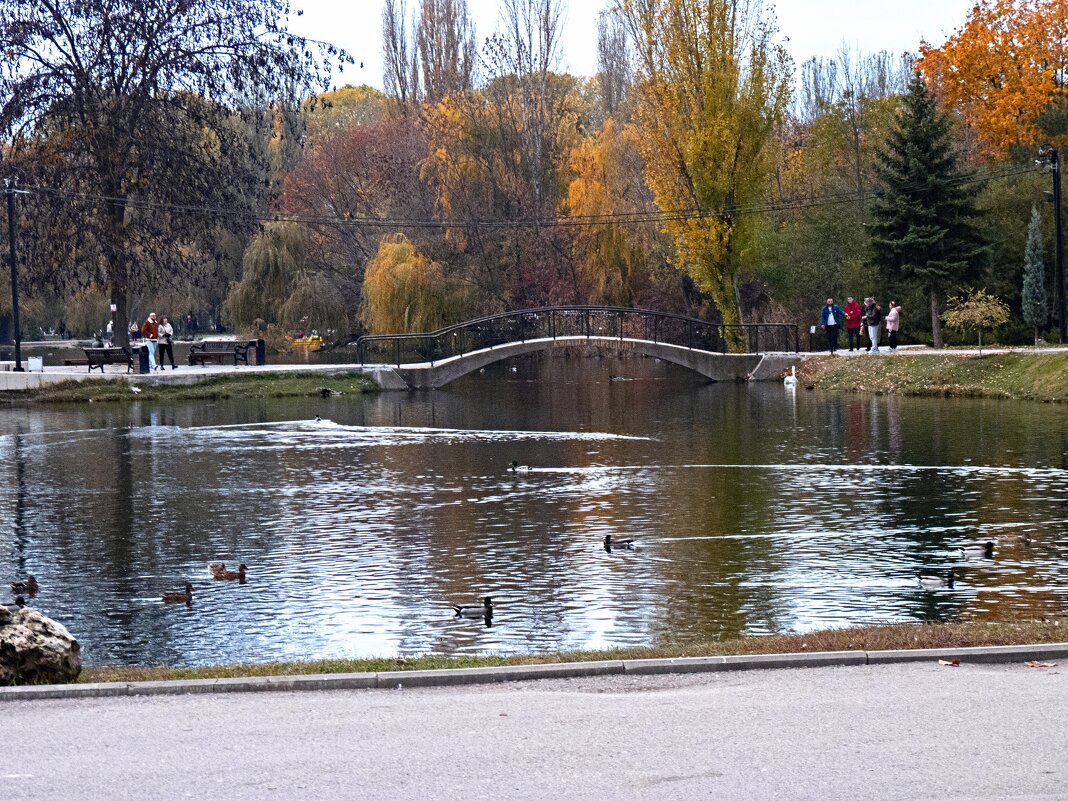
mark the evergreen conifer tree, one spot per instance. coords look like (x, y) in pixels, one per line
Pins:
(924, 233)
(1035, 304)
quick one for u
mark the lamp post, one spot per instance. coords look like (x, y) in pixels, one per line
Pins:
(1055, 163)
(9, 188)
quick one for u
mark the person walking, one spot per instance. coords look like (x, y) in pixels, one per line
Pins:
(852, 312)
(893, 325)
(873, 316)
(830, 314)
(150, 331)
(110, 333)
(166, 343)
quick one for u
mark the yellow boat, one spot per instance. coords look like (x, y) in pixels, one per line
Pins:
(310, 341)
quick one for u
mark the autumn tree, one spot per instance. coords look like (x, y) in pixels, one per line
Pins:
(137, 102)
(924, 232)
(713, 88)
(404, 291)
(445, 41)
(1003, 70)
(975, 311)
(277, 287)
(615, 68)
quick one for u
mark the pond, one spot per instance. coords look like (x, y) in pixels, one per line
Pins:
(754, 509)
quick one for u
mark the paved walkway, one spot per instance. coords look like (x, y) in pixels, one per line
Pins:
(912, 732)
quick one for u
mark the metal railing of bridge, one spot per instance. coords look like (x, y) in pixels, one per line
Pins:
(603, 322)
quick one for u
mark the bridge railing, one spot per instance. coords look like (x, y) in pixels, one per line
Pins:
(603, 322)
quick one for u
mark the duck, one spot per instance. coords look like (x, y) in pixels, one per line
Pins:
(216, 569)
(515, 467)
(610, 543)
(476, 612)
(984, 551)
(232, 575)
(27, 587)
(1013, 539)
(318, 419)
(185, 597)
(938, 582)
(791, 380)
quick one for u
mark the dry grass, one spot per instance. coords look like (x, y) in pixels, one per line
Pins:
(1015, 376)
(250, 385)
(869, 638)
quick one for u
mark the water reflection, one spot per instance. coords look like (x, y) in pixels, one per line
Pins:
(753, 509)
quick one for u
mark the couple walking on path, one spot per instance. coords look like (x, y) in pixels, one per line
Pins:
(159, 335)
(870, 317)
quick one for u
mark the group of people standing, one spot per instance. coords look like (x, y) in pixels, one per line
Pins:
(860, 321)
(158, 334)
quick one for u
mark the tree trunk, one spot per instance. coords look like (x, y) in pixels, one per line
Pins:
(118, 275)
(936, 323)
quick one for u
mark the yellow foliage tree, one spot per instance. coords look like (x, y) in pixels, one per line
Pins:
(1003, 69)
(713, 89)
(405, 292)
(611, 259)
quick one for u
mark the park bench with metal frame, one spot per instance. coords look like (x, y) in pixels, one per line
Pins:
(220, 350)
(98, 357)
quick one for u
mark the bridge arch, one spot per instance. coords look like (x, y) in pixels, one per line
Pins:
(434, 359)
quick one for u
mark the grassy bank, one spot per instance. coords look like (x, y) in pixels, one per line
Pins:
(1015, 376)
(248, 385)
(871, 638)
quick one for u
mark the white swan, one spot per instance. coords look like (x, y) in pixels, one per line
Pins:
(791, 380)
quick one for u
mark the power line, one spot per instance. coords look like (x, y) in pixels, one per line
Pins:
(652, 216)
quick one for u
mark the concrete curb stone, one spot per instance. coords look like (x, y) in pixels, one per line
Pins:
(488, 675)
(1000, 653)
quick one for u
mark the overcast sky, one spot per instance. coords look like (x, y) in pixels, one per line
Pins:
(811, 28)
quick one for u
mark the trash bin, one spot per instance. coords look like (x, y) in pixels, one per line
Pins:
(141, 360)
(35, 364)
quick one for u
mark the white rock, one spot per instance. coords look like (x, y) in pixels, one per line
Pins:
(35, 649)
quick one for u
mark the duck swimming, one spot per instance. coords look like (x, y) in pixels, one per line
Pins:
(185, 597)
(27, 587)
(938, 582)
(232, 575)
(610, 543)
(515, 467)
(476, 612)
(984, 551)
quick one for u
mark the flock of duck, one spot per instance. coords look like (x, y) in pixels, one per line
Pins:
(969, 553)
(484, 611)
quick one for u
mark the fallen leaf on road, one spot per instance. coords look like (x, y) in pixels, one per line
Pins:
(953, 663)
(1041, 664)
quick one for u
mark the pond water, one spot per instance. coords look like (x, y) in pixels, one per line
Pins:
(754, 509)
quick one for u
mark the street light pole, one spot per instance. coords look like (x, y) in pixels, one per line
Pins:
(9, 188)
(1055, 163)
(1062, 318)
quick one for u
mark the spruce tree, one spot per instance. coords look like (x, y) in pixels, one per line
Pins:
(1035, 305)
(924, 231)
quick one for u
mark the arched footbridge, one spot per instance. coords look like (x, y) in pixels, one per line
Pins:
(717, 352)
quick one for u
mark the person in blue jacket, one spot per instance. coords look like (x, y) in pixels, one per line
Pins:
(829, 318)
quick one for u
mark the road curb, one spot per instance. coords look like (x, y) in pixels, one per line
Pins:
(452, 677)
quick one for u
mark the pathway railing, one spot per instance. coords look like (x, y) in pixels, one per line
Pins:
(575, 321)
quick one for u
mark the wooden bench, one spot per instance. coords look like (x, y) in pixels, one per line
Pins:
(98, 357)
(220, 350)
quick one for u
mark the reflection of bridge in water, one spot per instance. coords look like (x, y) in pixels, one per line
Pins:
(718, 352)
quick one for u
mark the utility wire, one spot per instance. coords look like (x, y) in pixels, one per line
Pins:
(652, 216)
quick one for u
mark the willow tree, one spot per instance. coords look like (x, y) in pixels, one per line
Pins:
(144, 106)
(404, 291)
(713, 86)
(279, 288)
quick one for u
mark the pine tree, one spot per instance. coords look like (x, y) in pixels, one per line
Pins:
(1035, 305)
(924, 232)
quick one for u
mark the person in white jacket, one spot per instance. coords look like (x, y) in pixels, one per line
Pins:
(166, 343)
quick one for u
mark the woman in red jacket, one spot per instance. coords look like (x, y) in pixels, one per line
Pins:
(852, 314)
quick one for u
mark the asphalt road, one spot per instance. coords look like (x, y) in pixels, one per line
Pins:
(913, 732)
